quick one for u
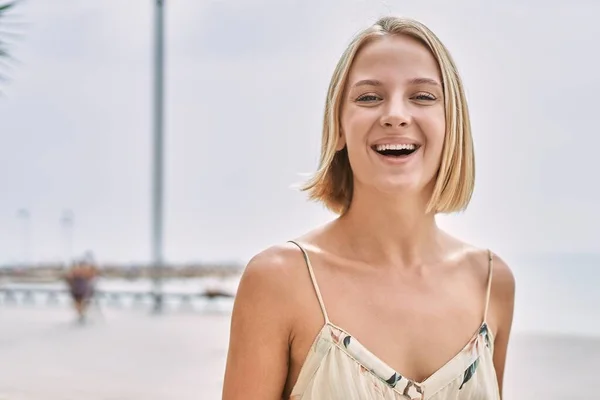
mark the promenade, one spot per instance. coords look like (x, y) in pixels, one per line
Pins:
(119, 355)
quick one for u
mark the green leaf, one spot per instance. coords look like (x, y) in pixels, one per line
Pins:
(486, 335)
(469, 373)
(6, 34)
(6, 7)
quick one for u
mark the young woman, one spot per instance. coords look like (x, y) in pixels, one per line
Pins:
(380, 303)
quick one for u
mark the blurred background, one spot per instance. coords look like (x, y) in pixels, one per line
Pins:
(166, 225)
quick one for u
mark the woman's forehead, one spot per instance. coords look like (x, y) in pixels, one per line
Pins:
(392, 57)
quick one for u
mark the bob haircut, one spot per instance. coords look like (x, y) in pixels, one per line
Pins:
(332, 184)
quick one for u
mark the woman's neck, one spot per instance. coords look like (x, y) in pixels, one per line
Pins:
(391, 230)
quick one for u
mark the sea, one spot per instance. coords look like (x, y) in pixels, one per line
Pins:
(557, 293)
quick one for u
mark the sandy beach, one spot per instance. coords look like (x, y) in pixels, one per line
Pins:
(131, 354)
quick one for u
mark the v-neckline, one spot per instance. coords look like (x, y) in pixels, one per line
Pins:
(432, 375)
(415, 382)
(426, 388)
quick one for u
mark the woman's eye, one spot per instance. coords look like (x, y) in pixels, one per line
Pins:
(368, 98)
(425, 96)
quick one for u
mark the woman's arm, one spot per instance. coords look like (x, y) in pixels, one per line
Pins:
(503, 300)
(257, 360)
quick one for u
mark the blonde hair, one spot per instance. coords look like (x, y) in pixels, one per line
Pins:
(332, 184)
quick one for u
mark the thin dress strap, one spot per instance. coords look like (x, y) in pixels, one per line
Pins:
(489, 284)
(314, 280)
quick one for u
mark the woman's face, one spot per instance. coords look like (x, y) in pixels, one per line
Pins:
(392, 118)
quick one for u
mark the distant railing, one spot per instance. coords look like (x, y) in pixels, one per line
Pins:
(30, 295)
(53, 272)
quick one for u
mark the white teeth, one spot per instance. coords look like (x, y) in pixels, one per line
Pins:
(381, 147)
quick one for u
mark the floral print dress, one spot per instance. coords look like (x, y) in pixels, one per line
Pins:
(339, 367)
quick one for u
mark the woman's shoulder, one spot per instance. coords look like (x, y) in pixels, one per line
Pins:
(285, 259)
(480, 259)
(275, 271)
(280, 258)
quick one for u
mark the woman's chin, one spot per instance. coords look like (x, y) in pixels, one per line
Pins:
(401, 187)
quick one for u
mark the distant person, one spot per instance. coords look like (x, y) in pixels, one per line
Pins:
(81, 280)
(380, 303)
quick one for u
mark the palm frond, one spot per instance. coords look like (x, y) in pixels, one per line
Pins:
(6, 7)
(6, 34)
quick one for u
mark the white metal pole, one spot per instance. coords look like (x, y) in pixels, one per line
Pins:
(158, 125)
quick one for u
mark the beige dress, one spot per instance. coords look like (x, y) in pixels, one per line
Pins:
(338, 367)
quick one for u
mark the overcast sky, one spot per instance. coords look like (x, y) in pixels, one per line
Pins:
(245, 87)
